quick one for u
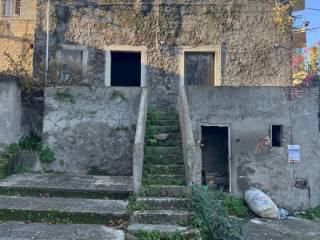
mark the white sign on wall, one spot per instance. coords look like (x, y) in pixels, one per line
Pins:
(294, 153)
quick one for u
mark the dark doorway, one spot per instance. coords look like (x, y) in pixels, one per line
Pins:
(126, 69)
(215, 157)
(199, 69)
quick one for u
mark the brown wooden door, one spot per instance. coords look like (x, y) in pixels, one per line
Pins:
(199, 69)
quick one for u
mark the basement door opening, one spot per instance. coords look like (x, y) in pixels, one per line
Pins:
(216, 157)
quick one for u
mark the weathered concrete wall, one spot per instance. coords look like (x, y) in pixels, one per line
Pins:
(248, 56)
(250, 112)
(91, 128)
(10, 111)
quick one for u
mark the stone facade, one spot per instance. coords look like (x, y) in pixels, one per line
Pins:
(91, 130)
(248, 57)
(249, 113)
(17, 37)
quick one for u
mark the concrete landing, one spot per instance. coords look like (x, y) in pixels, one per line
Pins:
(39, 231)
(67, 185)
(291, 229)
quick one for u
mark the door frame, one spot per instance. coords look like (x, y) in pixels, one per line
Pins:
(226, 125)
(201, 49)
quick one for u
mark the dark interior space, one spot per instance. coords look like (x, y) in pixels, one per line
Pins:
(276, 135)
(215, 157)
(126, 69)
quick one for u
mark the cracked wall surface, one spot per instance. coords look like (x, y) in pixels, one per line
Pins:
(91, 129)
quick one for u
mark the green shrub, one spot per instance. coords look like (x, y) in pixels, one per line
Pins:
(154, 235)
(211, 218)
(13, 148)
(46, 155)
(234, 206)
(19, 168)
(32, 143)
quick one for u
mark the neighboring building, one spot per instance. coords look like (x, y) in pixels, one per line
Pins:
(217, 59)
(17, 30)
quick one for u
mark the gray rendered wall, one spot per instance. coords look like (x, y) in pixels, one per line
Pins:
(10, 111)
(250, 112)
(91, 128)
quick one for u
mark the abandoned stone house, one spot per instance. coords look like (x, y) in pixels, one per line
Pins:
(108, 63)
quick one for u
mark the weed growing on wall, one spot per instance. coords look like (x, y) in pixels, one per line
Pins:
(211, 217)
(64, 95)
(118, 94)
(46, 155)
(312, 214)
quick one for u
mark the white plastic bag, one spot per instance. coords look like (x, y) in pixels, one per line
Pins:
(261, 204)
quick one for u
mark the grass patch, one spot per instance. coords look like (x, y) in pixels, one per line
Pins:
(233, 205)
(154, 235)
(312, 214)
(211, 218)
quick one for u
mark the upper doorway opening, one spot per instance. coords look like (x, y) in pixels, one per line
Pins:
(126, 69)
(215, 157)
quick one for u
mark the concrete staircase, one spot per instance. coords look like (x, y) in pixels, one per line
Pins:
(163, 181)
(40, 206)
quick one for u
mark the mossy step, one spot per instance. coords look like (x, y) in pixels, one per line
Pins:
(164, 169)
(167, 203)
(181, 218)
(164, 143)
(153, 159)
(67, 185)
(166, 231)
(162, 129)
(171, 136)
(162, 151)
(72, 210)
(166, 179)
(166, 191)
(164, 122)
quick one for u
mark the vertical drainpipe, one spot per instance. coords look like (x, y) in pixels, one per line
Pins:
(47, 44)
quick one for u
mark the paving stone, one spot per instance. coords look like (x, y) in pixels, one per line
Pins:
(67, 185)
(41, 231)
(75, 209)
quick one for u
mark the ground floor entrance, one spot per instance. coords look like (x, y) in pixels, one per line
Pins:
(215, 157)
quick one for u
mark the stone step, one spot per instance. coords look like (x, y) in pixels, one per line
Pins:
(164, 169)
(166, 231)
(163, 129)
(167, 217)
(74, 210)
(43, 231)
(67, 185)
(162, 151)
(152, 159)
(165, 143)
(166, 179)
(168, 203)
(167, 191)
